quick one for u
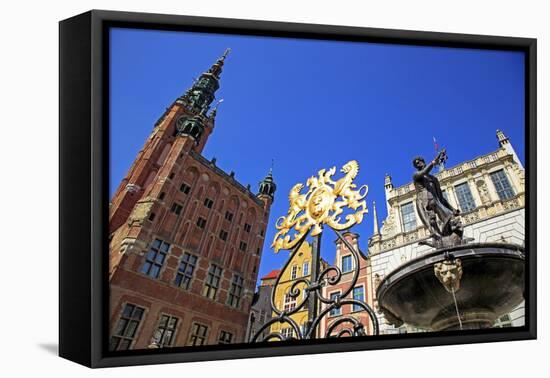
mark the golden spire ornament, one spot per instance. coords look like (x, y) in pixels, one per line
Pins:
(324, 202)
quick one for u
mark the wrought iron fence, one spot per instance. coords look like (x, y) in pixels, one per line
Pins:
(307, 216)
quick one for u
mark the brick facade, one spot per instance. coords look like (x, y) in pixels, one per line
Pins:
(363, 285)
(172, 198)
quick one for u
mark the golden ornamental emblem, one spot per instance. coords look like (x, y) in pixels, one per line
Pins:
(325, 202)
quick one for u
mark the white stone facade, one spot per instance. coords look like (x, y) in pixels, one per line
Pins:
(497, 216)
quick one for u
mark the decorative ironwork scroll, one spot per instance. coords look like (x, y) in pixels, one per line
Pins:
(324, 203)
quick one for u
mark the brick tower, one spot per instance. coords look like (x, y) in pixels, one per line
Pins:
(185, 237)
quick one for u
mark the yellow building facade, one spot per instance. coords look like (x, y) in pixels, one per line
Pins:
(299, 267)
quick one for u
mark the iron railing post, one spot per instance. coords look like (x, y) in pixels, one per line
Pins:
(313, 305)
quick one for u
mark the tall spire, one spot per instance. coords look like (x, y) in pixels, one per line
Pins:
(202, 93)
(376, 230)
(216, 68)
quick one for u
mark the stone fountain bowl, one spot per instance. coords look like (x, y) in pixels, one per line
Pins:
(492, 285)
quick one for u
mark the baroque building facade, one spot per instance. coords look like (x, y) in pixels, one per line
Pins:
(185, 237)
(299, 267)
(489, 190)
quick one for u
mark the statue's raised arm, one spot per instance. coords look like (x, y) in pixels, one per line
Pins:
(424, 169)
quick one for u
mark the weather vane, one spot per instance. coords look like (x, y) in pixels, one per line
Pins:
(324, 202)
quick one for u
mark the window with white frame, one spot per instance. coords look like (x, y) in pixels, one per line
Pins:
(408, 217)
(289, 303)
(358, 294)
(294, 272)
(305, 269)
(287, 332)
(347, 264)
(465, 198)
(502, 185)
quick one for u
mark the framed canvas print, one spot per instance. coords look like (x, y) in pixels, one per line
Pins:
(235, 188)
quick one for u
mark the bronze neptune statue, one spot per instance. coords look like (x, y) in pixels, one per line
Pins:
(435, 212)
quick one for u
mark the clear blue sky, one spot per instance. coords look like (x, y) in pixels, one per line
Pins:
(314, 104)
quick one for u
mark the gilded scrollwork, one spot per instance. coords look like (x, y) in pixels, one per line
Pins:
(324, 202)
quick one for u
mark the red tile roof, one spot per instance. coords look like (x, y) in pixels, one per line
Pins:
(272, 274)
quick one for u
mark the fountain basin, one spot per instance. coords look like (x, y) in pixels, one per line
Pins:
(492, 284)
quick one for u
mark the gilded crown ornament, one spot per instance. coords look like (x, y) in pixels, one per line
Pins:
(324, 202)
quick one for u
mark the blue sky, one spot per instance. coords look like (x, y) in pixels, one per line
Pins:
(316, 104)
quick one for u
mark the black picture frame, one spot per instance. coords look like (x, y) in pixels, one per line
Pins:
(83, 234)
